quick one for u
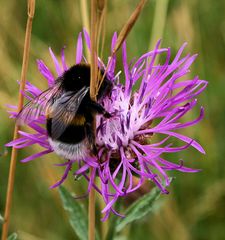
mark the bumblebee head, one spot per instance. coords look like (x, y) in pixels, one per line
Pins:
(76, 77)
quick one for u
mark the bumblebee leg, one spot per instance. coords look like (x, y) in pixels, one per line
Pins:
(100, 109)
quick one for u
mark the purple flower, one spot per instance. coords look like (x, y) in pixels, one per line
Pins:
(148, 102)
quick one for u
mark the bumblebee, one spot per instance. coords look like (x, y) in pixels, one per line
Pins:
(69, 112)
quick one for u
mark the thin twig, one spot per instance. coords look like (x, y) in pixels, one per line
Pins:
(30, 12)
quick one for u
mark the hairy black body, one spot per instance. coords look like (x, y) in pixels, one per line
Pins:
(80, 129)
(69, 112)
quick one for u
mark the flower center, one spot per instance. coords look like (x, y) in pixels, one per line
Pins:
(128, 117)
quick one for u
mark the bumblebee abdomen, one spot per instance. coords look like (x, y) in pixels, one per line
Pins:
(79, 120)
(70, 151)
(73, 134)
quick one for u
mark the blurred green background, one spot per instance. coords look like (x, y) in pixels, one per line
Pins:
(195, 207)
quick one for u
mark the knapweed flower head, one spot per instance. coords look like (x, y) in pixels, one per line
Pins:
(148, 100)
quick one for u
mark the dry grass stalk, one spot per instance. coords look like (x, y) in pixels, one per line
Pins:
(30, 12)
(93, 49)
(98, 12)
(97, 33)
(129, 25)
(101, 11)
(94, 69)
(100, 35)
(85, 15)
(124, 33)
(85, 21)
(101, 5)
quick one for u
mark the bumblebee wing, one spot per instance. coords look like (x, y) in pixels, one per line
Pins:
(37, 107)
(64, 110)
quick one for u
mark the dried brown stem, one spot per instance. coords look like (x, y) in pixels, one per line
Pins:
(91, 204)
(12, 169)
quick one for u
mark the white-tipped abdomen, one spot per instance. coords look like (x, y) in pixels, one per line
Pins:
(70, 151)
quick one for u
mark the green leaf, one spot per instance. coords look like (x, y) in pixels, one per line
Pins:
(139, 209)
(13, 236)
(77, 216)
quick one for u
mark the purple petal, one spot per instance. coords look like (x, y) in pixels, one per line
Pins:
(79, 53)
(57, 65)
(37, 155)
(186, 139)
(87, 39)
(66, 172)
(63, 59)
(43, 69)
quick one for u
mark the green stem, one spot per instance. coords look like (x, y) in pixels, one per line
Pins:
(158, 22)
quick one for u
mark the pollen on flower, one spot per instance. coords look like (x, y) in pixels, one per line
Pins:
(125, 141)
